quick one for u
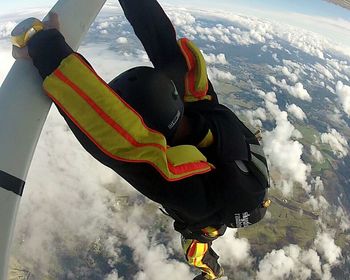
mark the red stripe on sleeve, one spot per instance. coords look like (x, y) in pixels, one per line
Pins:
(110, 90)
(103, 115)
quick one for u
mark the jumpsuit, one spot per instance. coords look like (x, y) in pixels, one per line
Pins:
(195, 190)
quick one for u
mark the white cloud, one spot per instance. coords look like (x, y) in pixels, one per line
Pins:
(337, 142)
(334, 63)
(343, 92)
(292, 262)
(344, 218)
(104, 25)
(284, 153)
(287, 70)
(318, 183)
(6, 28)
(269, 96)
(336, 116)
(330, 89)
(182, 18)
(122, 40)
(318, 203)
(113, 276)
(333, 28)
(275, 58)
(277, 264)
(312, 260)
(246, 30)
(307, 42)
(325, 245)
(275, 45)
(153, 259)
(313, 42)
(345, 69)
(211, 38)
(297, 90)
(217, 33)
(255, 117)
(291, 76)
(316, 154)
(294, 71)
(291, 64)
(228, 34)
(234, 251)
(324, 71)
(217, 74)
(261, 31)
(215, 59)
(100, 56)
(296, 111)
(65, 192)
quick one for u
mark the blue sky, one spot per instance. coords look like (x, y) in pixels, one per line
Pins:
(311, 7)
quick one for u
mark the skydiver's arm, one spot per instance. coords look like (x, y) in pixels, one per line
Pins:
(157, 35)
(100, 113)
(155, 31)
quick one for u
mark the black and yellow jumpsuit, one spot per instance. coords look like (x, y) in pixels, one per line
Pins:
(190, 180)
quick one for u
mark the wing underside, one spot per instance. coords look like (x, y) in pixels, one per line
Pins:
(343, 3)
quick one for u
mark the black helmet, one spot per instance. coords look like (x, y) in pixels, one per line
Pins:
(153, 95)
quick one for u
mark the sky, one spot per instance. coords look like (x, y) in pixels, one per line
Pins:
(312, 14)
(87, 199)
(311, 7)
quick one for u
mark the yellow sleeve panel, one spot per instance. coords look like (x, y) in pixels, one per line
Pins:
(207, 140)
(115, 127)
(196, 79)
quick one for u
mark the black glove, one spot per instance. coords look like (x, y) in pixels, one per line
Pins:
(47, 49)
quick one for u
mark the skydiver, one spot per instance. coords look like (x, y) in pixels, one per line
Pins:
(162, 129)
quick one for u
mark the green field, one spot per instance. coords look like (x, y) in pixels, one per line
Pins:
(281, 228)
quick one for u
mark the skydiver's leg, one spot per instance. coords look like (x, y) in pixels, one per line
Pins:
(202, 256)
(157, 34)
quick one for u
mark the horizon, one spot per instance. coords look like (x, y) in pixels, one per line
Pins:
(311, 7)
(319, 16)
